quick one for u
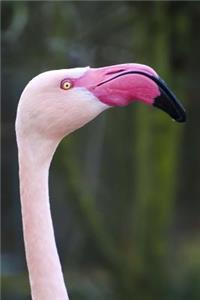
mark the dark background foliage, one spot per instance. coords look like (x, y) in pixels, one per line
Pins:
(124, 189)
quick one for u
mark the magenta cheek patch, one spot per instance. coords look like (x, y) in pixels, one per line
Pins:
(126, 89)
(112, 96)
(115, 99)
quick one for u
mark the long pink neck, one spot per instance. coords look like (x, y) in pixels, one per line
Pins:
(45, 274)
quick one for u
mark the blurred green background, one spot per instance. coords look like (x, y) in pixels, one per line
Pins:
(125, 189)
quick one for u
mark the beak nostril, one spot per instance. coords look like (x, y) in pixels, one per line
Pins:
(115, 71)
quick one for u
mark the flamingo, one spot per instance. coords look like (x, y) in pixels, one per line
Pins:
(53, 105)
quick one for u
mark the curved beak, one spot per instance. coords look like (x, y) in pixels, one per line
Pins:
(123, 84)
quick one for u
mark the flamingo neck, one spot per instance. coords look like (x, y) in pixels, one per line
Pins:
(45, 273)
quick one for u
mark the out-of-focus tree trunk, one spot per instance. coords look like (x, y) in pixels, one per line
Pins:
(189, 204)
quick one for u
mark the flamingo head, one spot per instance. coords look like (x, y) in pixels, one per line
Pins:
(58, 102)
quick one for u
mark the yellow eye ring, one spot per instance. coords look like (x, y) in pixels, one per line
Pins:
(66, 84)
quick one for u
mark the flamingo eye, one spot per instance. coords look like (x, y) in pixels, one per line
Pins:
(66, 84)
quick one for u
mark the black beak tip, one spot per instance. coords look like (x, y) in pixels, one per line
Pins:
(168, 102)
(182, 118)
(171, 106)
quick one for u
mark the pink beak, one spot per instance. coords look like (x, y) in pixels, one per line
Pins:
(120, 85)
